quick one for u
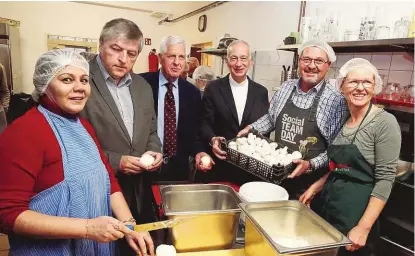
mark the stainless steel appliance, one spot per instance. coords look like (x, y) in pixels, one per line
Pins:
(10, 56)
(397, 219)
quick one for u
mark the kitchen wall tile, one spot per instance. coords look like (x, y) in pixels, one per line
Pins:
(282, 58)
(384, 74)
(363, 55)
(262, 58)
(402, 77)
(342, 58)
(330, 73)
(402, 61)
(382, 60)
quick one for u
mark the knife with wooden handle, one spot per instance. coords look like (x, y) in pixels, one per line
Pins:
(161, 224)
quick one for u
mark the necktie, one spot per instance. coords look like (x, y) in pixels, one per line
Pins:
(170, 135)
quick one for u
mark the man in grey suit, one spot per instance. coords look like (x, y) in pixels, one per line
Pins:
(121, 111)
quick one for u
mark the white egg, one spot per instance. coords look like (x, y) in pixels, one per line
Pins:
(205, 160)
(251, 136)
(252, 142)
(267, 147)
(257, 157)
(240, 141)
(284, 151)
(273, 145)
(297, 155)
(287, 159)
(232, 144)
(147, 160)
(267, 159)
(257, 149)
(258, 142)
(233, 147)
(264, 142)
(166, 250)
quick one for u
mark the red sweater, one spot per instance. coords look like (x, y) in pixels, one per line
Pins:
(30, 162)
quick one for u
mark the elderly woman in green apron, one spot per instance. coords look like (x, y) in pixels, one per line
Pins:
(363, 160)
(57, 191)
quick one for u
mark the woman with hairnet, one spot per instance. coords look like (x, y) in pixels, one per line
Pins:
(363, 160)
(57, 190)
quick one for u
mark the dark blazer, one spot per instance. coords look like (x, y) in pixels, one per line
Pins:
(220, 118)
(219, 113)
(190, 109)
(102, 112)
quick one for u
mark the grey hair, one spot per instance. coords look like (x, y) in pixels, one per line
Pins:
(170, 40)
(229, 49)
(122, 29)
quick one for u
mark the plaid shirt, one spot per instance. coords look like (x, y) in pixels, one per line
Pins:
(331, 110)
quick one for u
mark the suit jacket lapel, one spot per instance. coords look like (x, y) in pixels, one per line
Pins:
(100, 84)
(250, 101)
(227, 95)
(135, 95)
(182, 104)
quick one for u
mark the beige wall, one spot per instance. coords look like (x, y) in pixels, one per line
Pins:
(70, 19)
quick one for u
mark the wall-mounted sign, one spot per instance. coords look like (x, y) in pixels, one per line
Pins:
(147, 41)
(13, 23)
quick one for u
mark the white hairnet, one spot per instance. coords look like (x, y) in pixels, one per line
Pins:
(50, 64)
(359, 63)
(319, 44)
(203, 72)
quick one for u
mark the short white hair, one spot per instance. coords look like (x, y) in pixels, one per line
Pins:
(229, 49)
(170, 40)
(319, 44)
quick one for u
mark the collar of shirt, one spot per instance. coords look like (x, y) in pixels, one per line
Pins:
(314, 89)
(126, 80)
(233, 83)
(163, 80)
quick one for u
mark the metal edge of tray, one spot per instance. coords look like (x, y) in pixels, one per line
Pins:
(284, 250)
(228, 189)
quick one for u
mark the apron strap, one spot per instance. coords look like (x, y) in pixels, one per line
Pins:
(361, 122)
(316, 100)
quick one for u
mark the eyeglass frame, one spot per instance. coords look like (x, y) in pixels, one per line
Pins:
(358, 82)
(315, 61)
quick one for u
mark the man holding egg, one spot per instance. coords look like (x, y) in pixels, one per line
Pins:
(178, 106)
(306, 114)
(120, 110)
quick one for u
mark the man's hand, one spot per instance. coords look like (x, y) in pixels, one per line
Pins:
(219, 153)
(358, 236)
(199, 165)
(131, 165)
(302, 167)
(157, 162)
(244, 131)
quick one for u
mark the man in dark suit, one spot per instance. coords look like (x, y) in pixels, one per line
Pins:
(230, 103)
(178, 107)
(120, 109)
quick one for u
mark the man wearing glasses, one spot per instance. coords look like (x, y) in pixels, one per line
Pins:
(306, 114)
(231, 103)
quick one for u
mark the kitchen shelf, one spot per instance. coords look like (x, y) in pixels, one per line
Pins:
(381, 45)
(382, 101)
(216, 52)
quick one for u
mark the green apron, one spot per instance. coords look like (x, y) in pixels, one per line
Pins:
(348, 189)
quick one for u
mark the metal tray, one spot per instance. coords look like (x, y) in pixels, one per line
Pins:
(274, 174)
(292, 220)
(216, 212)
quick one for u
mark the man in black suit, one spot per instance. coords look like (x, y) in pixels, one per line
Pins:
(178, 107)
(230, 103)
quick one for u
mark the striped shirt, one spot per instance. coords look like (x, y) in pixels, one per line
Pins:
(331, 110)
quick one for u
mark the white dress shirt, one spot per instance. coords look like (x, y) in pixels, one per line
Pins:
(240, 94)
(122, 97)
(160, 109)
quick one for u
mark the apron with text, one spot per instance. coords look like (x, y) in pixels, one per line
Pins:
(84, 193)
(347, 191)
(297, 129)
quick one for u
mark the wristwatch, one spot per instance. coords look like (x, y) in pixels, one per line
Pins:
(310, 168)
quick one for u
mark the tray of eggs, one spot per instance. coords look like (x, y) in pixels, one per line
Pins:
(262, 157)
